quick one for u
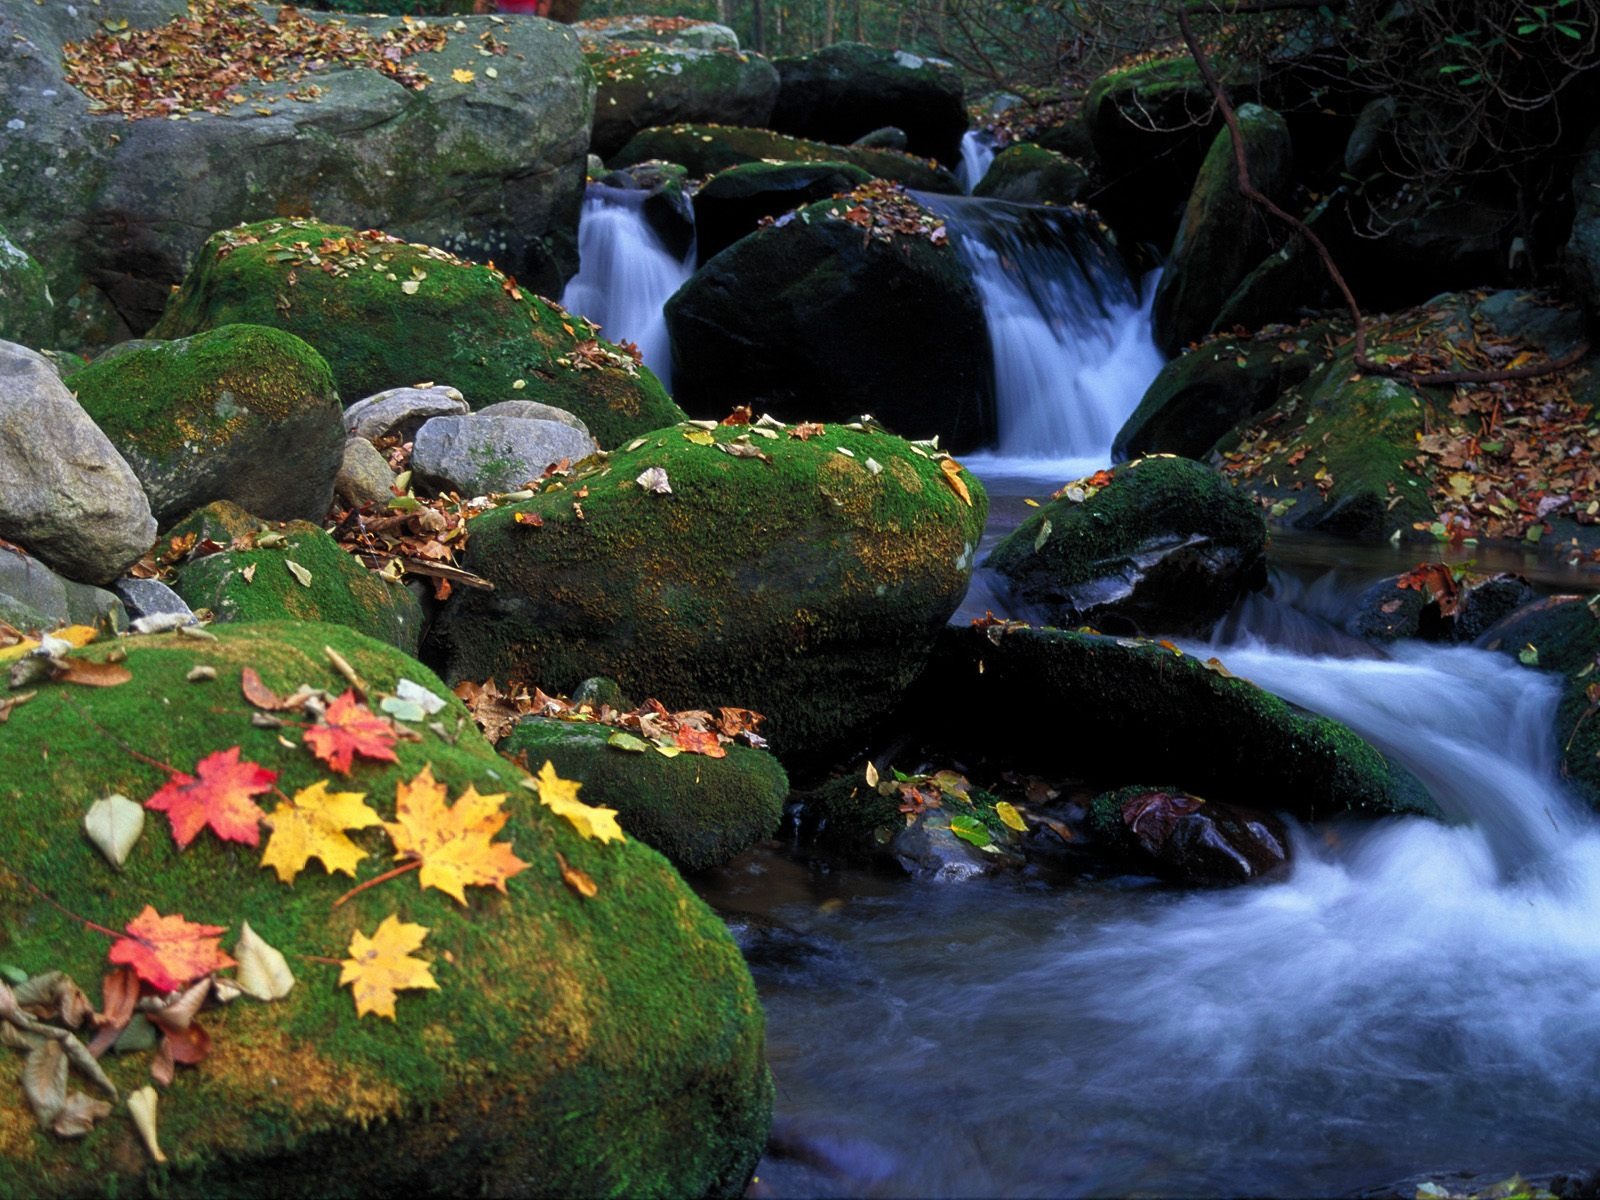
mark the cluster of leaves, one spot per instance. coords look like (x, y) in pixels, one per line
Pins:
(884, 210)
(199, 62)
(413, 535)
(949, 791)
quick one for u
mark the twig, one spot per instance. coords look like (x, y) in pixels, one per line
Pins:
(377, 879)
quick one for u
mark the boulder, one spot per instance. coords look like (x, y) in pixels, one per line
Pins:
(1291, 282)
(34, 598)
(402, 411)
(250, 582)
(1223, 235)
(844, 91)
(821, 318)
(27, 310)
(572, 1046)
(808, 587)
(1049, 701)
(643, 84)
(241, 412)
(389, 314)
(667, 31)
(1024, 173)
(475, 455)
(890, 137)
(1156, 545)
(698, 811)
(1583, 246)
(1187, 838)
(365, 476)
(532, 410)
(65, 493)
(1437, 602)
(732, 203)
(149, 598)
(706, 149)
(116, 210)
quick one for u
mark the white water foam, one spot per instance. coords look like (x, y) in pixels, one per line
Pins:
(978, 150)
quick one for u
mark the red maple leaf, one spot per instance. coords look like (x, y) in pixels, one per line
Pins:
(218, 795)
(351, 728)
(168, 952)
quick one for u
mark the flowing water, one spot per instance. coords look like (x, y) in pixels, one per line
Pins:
(977, 153)
(626, 274)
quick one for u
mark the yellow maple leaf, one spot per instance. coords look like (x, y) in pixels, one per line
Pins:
(454, 845)
(312, 825)
(461, 75)
(560, 796)
(381, 965)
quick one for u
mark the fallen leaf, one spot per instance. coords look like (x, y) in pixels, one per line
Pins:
(85, 673)
(970, 829)
(217, 795)
(561, 797)
(700, 437)
(528, 518)
(78, 1115)
(301, 575)
(622, 740)
(462, 75)
(259, 694)
(453, 843)
(114, 824)
(350, 728)
(168, 952)
(312, 824)
(381, 965)
(654, 479)
(263, 971)
(44, 1080)
(1011, 817)
(952, 476)
(579, 881)
(142, 1108)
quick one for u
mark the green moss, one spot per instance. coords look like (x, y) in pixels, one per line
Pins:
(462, 324)
(849, 818)
(610, 1046)
(1028, 174)
(698, 811)
(808, 588)
(27, 310)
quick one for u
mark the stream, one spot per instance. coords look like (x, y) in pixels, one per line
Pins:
(1411, 997)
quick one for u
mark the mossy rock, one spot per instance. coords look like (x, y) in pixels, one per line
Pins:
(809, 588)
(1086, 705)
(245, 413)
(462, 324)
(1028, 174)
(668, 31)
(848, 817)
(341, 592)
(27, 310)
(1165, 544)
(811, 320)
(698, 811)
(642, 85)
(574, 1046)
(707, 149)
(732, 203)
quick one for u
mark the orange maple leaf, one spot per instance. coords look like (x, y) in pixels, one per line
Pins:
(699, 741)
(350, 728)
(454, 845)
(217, 794)
(381, 965)
(168, 952)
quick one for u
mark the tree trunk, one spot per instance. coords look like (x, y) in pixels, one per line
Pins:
(758, 18)
(828, 14)
(858, 31)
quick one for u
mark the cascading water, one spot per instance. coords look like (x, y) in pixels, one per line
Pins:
(977, 153)
(626, 274)
(1070, 331)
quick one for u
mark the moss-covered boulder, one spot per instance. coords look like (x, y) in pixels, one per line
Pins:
(847, 90)
(1224, 235)
(808, 587)
(643, 84)
(1028, 174)
(257, 583)
(386, 313)
(698, 811)
(824, 318)
(668, 31)
(707, 149)
(27, 310)
(1186, 837)
(1157, 545)
(732, 203)
(1087, 706)
(574, 1046)
(244, 413)
(1198, 397)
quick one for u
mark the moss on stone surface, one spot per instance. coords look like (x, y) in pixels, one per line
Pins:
(610, 1046)
(462, 323)
(698, 811)
(342, 591)
(27, 310)
(732, 203)
(1028, 174)
(847, 817)
(641, 85)
(808, 588)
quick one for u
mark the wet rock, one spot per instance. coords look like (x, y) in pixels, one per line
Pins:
(1388, 611)
(1181, 836)
(890, 137)
(476, 455)
(732, 203)
(66, 494)
(1487, 601)
(34, 598)
(402, 411)
(1290, 283)
(1158, 545)
(149, 598)
(666, 206)
(27, 310)
(1028, 174)
(365, 476)
(242, 413)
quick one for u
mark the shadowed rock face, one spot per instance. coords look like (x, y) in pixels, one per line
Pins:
(1189, 839)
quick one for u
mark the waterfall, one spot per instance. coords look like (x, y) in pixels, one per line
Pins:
(626, 274)
(1070, 332)
(977, 153)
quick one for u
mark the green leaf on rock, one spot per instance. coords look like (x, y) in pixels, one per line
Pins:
(1528, 656)
(622, 740)
(969, 829)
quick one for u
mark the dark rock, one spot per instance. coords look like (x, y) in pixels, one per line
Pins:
(149, 598)
(1583, 247)
(733, 202)
(666, 205)
(1290, 283)
(1028, 174)
(1486, 602)
(890, 137)
(1387, 612)
(1196, 842)
(1372, 129)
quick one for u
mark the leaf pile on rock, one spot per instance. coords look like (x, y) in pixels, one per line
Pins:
(883, 209)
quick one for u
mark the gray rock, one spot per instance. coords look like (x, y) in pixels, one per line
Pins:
(149, 598)
(701, 35)
(116, 210)
(475, 454)
(365, 476)
(532, 410)
(27, 310)
(890, 137)
(401, 410)
(65, 492)
(33, 597)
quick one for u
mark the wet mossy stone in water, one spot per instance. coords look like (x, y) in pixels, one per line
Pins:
(698, 811)
(240, 412)
(338, 588)
(1088, 705)
(1028, 174)
(390, 314)
(602, 1046)
(1187, 838)
(731, 204)
(808, 588)
(1165, 545)
(707, 149)
(813, 320)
